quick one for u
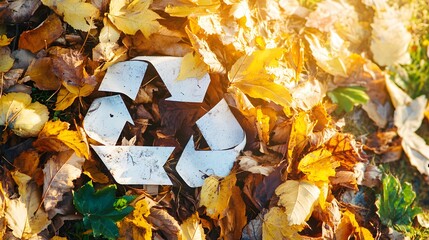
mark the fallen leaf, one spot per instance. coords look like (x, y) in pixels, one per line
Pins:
(23, 214)
(77, 13)
(192, 7)
(299, 198)
(60, 172)
(231, 226)
(6, 61)
(277, 226)
(253, 230)
(166, 223)
(350, 228)
(56, 137)
(216, 194)
(25, 118)
(192, 228)
(318, 165)
(137, 225)
(40, 72)
(92, 169)
(302, 126)
(27, 162)
(42, 36)
(68, 94)
(192, 67)
(132, 16)
(4, 40)
(2, 212)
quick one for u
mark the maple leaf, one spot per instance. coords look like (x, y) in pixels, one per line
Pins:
(23, 214)
(60, 172)
(77, 13)
(216, 194)
(276, 226)
(6, 61)
(56, 137)
(299, 198)
(192, 228)
(25, 118)
(318, 165)
(249, 74)
(131, 16)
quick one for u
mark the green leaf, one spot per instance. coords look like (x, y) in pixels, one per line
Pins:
(348, 97)
(395, 204)
(101, 209)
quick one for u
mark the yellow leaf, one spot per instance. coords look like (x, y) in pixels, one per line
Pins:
(23, 214)
(192, 228)
(301, 128)
(2, 210)
(109, 33)
(77, 13)
(193, 8)
(136, 226)
(56, 137)
(276, 226)
(249, 74)
(6, 62)
(68, 93)
(349, 228)
(131, 16)
(318, 165)
(299, 198)
(92, 169)
(192, 67)
(26, 119)
(4, 40)
(215, 195)
(58, 238)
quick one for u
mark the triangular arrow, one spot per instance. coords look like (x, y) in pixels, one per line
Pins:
(106, 118)
(226, 139)
(124, 77)
(136, 164)
(188, 90)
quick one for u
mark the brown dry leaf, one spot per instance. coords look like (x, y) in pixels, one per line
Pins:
(298, 198)
(28, 163)
(23, 214)
(216, 194)
(77, 13)
(232, 224)
(276, 226)
(40, 72)
(165, 223)
(192, 228)
(132, 16)
(6, 61)
(344, 150)
(42, 36)
(91, 168)
(60, 172)
(350, 228)
(302, 126)
(56, 137)
(2, 212)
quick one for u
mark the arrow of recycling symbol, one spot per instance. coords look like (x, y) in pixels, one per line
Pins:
(107, 116)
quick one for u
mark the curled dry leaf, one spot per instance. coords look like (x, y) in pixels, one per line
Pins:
(60, 172)
(42, 36)
(25, 118)
(56, 137)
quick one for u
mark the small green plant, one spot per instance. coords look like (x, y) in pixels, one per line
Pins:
(348, 97)
(101, 209)
(395, 204)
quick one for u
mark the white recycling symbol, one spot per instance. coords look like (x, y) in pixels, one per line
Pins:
(107, 116)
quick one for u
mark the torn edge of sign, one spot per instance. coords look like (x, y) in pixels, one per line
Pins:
(106, 118)
(168, 68)
(226, 139)
(136, 164)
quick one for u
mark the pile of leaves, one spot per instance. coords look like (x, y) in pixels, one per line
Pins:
(331, 95)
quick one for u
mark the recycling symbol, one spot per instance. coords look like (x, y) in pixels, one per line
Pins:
(107, 117)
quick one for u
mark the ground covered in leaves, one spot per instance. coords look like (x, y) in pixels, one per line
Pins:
(332, 96)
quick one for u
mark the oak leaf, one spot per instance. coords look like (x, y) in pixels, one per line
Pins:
(132, 16)
(60, 172)
(299, 198)
(23, 214)
(77, 13)
(56, 137)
